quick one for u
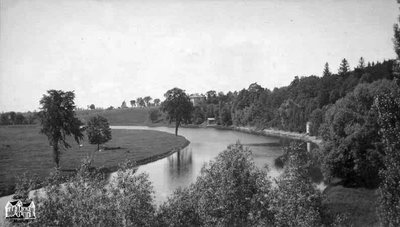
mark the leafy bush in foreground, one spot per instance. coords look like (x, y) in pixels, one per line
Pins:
(230, 191)
(88, 200)
(295, 201)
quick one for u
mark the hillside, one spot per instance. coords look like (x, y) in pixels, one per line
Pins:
(128, 116)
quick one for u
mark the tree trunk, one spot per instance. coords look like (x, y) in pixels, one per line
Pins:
(176, 127)
(56, 154)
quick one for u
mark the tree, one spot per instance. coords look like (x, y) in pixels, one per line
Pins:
(123, 105)
(57, 117)
(147, 100)
(92, 107)
(19, 119)
(388, 108)
(230, 191)
(98, 131)
(344, 67)
(396, 42)
(361, 64)
(157, 102)
(140, 102)
(178, 106)
(396, 38)
(352, 150)
(294, 200)
(133, 103)
(154, 113)
(326, 72)
(12, 115)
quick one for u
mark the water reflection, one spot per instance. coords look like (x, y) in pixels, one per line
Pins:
(180, 163)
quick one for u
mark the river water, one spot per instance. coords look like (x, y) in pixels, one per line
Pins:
(182, 168)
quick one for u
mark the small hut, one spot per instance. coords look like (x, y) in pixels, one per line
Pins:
(211, 121)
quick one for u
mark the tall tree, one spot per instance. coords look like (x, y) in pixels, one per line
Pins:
(57, 117)
(344, 67)
(361, 63)
(178, 107)
(396, 41)
(140, 102)
(147, 100)
(123, 105)
(133, 102)
(157, 102)
(326, 72)
(92, 106)
(98, 131)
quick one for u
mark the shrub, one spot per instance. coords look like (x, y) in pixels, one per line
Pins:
(295, 201)
(86, 201)
(154, 114)
(230, 191)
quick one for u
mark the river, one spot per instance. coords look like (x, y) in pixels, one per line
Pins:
(182, 168)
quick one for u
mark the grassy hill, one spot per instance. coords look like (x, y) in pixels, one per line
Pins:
(129, 116)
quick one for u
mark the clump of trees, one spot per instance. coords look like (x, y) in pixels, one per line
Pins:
(58, 120)
(353, 149)
(13, 118)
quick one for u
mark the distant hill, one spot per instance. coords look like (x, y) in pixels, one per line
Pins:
(128, 116)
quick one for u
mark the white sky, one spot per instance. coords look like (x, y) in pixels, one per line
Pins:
(114, 50)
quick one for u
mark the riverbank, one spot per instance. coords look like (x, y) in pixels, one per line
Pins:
(24, 149)
(272, 132)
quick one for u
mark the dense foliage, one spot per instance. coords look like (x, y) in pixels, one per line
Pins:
(98, 131)
(388, 108)
(291, 107)
(58, 120)
(12, 118)
(353, 149)
(85, 200)
(232, 191)
(177, 106)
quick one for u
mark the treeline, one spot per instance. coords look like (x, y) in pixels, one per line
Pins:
(139, 102)
(290, 107)
(340, 108)
(13, 118)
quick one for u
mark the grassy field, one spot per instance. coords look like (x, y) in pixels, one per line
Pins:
(23, 149)
(359, 204)
(129, 116)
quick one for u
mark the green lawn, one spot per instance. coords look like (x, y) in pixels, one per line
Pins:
(23, 149)
(358, 203)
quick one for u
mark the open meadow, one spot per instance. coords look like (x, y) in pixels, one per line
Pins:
(24, 149)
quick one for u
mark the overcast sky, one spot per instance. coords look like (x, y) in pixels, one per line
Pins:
(114, 50)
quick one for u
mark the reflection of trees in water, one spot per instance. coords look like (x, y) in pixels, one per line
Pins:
(180, 162)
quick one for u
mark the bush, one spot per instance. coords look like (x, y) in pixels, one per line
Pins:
(230, 191)
(86, 201)
(295, 201)
(154, 114)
